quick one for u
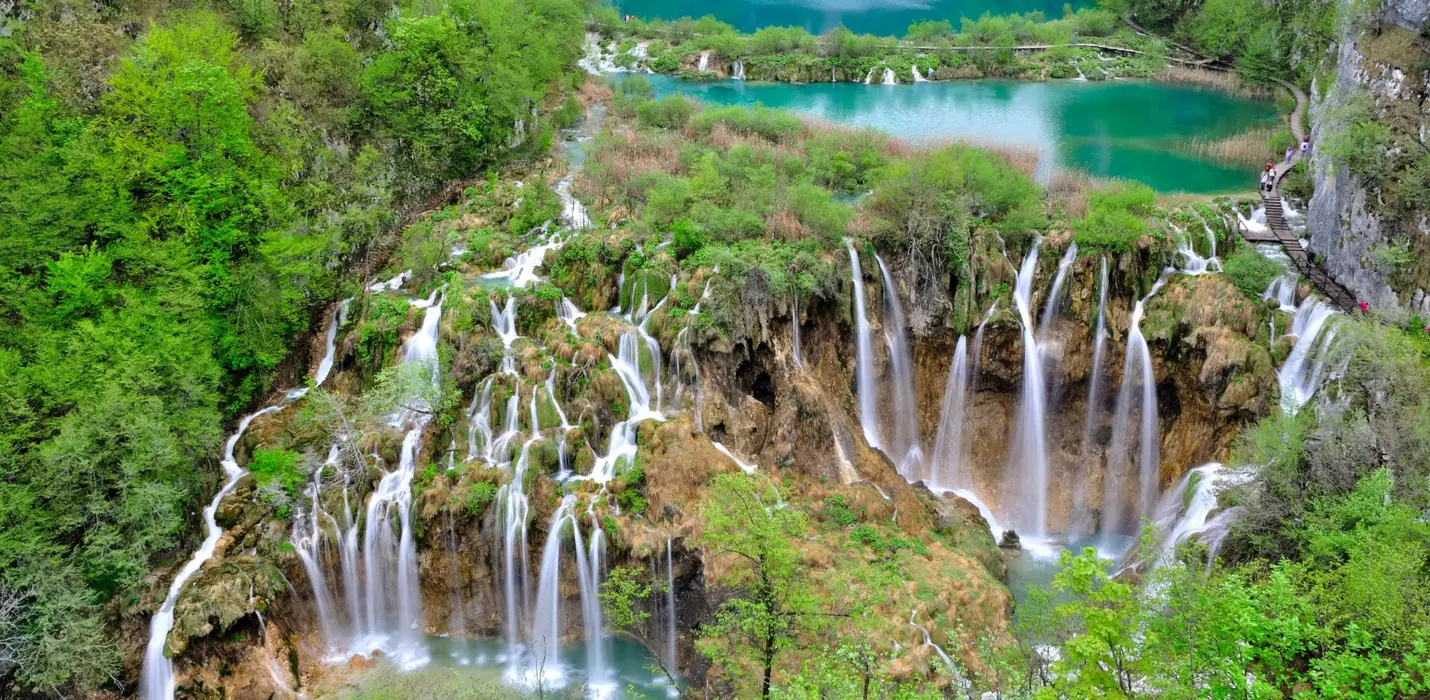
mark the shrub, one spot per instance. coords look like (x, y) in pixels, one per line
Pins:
(277, 469)
(671, 112)
(1251, 271)
(687, 237)
(479, 496)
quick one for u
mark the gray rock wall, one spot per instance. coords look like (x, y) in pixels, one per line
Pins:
(1343, 226)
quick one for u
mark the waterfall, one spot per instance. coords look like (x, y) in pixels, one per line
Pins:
(1080, 77)
(1256, 224)
(928, 642)
(564, 426)
(546, 630)
(889, 77)
(504, 323)
(946, 467)
(1136, 373)
(1027, 481)
(671, 659)
(1299, 377)
(1183, 512)
(515, 508)
(520, 269)
(597, 673)
(744, 466)
(307, 542)
(622, 442)
(573, 212)
(457, 626)
(869, 76)
(917, 77)
(1192, 262)
(479, 423)
(907, 453)
(867, 383)
(391, 285)
(794, 326)
(569, 315)
(705, 292)
(1050, 306)
(1213, 262)
(737, 70)
(704, 62)
(383, 581)
(1080, 516)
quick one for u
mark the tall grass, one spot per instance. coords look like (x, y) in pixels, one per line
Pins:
(1250, 146)
(1226, 81)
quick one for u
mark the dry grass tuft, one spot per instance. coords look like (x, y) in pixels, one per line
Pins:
(1246, 147)
(1226, 81)
(783, 223)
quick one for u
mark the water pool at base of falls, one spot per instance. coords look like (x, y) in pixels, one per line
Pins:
(1036, 564)
(487, 659)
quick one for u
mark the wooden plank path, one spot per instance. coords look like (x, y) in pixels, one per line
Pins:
(1034, 48)
(1279, 231)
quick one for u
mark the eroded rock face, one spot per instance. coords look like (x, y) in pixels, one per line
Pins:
(1347, 220)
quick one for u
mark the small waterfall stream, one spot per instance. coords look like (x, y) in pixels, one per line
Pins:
(868, 385)
(1081, 519)
(946, 468)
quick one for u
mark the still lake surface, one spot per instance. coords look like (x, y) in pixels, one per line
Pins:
(1121, 128)
(882, 17)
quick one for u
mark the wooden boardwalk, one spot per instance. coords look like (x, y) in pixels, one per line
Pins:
(1279, 232)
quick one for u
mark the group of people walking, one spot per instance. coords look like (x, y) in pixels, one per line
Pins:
(1268, 175)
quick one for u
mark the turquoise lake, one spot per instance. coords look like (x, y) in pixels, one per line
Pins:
(882, 17)
(1126, 129)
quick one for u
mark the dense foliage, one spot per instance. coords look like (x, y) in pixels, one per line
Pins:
(982, 47)
(180, 190)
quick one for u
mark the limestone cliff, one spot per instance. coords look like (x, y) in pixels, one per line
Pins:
(1351, 219)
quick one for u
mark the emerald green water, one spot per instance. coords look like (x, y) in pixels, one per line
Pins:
(1123, 128)
(882, 17)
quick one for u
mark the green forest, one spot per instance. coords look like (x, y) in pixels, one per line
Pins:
(184, 185)
(187, 187)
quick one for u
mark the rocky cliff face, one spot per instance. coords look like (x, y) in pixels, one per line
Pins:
(1349, 221)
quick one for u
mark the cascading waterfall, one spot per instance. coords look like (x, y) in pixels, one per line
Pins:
(868, 386)
(546, 630)
(704, 62)
(889, 77)
(869, 76)
(946, 467)
(307, 542)
(1192, 262)
(1136, 374)
(504, 323)
(515, 508)
(918, 78)
(1027, 482)
(479, 423)
(390, 567)
(737, 70)
(928, 642)
(1080, 517)
(906, 451)
(569, 314)
(1299, 375)
(1181, 515)
(1055, 295)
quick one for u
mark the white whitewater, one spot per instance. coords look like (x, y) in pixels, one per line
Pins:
(905, 448)
(521, 268)
(514, 509)
(307, 542)
(917, 77)
(1182, 516)
(1081, 519)
(704, 62)
(1055, 295)
(928, 642)
(621, 445)
(1301, 374)
(1192, 262)
(946, 466)
(867, 383)
(504, 323)
(1255, 224)
(391, 285)
(1136, 374)
(1028, 479)
(737, 70)
(479, 423)
(569, 314)
(744, 466)
(889, 77)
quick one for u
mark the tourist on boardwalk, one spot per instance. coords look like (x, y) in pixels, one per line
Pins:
(1305, 145)
(1289, 152)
